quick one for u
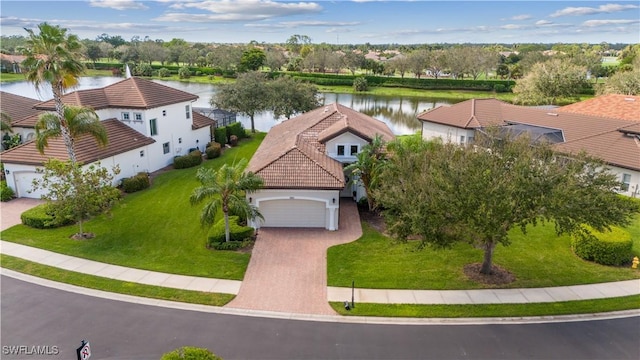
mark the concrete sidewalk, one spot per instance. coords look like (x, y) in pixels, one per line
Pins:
(488, 296)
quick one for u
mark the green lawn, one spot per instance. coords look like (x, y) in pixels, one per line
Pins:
(538, 259)
(155, 229)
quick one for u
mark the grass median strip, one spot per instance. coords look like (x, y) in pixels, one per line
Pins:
(110, 285)
(491, 310)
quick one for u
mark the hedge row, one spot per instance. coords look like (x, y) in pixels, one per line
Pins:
(40, 217)
(237, 232)
(194, 158)
(223, 134)
(135, 183)
(172, 69)
(606, 248)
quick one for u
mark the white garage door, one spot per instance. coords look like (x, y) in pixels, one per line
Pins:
(24, 184)
(293, 213)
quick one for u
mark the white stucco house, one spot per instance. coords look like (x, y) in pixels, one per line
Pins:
(147, 124)
(302, 164)
(606, 127)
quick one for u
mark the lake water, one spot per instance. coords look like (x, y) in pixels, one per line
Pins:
(398, 112)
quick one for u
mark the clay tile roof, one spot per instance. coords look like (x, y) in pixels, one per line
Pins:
(357, 123)
(18, 107)
(291, 156)
(626, 107)
(131, 93)
(200, 121)
(469, 114)
(121, 137)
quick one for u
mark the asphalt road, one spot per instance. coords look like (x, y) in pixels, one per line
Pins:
(33, 315)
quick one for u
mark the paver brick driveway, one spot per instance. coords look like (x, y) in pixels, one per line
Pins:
(288, 267)
(10, 211)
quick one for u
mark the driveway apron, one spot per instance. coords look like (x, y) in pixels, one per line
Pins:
(288, 267)
(10, 211)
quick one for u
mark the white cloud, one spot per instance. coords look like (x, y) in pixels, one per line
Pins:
(521, 17)
(543, 22)
(581, 11)
(594, 23)
(118, 4)
(296, 24)
(511, 27)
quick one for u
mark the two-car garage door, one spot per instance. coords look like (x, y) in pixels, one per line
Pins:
(293, 213)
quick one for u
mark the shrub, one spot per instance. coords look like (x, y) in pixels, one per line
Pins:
(6, 193)
(232, 245)
(40, 217)
(236, 232)
(236, 129)
(192, 159)
(220, 135)
(190, 353)
(164, 72)
(360, 84)
(233, 140)
(184, 72)
(606, 248)
(213, 151)
(135, 183)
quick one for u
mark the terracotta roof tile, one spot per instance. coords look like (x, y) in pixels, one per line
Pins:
(601, 137)
(18, 107)
(357, 123)
(200, 121)
(131, 93)
(626, 107)
(291, 156)
(121, 137)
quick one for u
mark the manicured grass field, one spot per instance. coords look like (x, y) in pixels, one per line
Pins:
(538, 259)
(155, 229)
(115, 286)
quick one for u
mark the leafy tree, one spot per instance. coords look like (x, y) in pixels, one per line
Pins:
(296, 42)
(275, 60)
(399, 64)
(78, 194)
(226, 57)
(622, 82)
(477, 194)
(353, 61)
(184, 72)
(360, 84)
(248, 95)
(79, 121)
(94, 52)
(252, 60)
(368, 165)
(225, 189)
(549, 81)
(54, 57)
(418, 61)
(289, 96)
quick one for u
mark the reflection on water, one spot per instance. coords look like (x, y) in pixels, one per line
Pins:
(398, 112)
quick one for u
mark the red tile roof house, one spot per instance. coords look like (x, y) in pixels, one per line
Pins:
(610, 133)
(302, 161)
(147, 124)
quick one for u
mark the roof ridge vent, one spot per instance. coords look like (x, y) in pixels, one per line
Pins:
(552, 114)
(629, 99)
(326, 109)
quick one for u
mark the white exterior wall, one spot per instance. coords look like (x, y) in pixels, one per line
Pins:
(325, 196)
(19, 178)
(346, 139)
(634, 183)
(447, 133)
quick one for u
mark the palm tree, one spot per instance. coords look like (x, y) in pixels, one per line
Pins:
(369, 163)
(54, 57)
(79, 120)
(5, 122)
(226, 188)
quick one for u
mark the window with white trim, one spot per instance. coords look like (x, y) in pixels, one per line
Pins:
(137, 116)
(461, 139)
(153, 127)
(126, 116)
(626, 181)
(354, 150)
(166, 148)
(187, 110)
(340, 150)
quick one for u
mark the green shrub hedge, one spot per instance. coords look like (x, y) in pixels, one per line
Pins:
(236, 129)
(606, 248)
(192, 159)
(135, 183)
(190, 353)
(213, 150)
(6, 193)
(237, 232)
(40, 217)
(220, 135)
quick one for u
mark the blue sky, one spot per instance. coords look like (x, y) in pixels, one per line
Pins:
(355, 22)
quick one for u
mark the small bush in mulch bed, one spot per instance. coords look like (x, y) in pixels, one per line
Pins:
(135, 183)
(40, 217)
(237, 232)
(497, 278)
(192, 159)
(213, 150)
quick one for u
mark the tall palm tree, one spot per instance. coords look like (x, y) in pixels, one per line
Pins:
(79, 120)
(226, 188)
(54, 57)
(5, 122)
